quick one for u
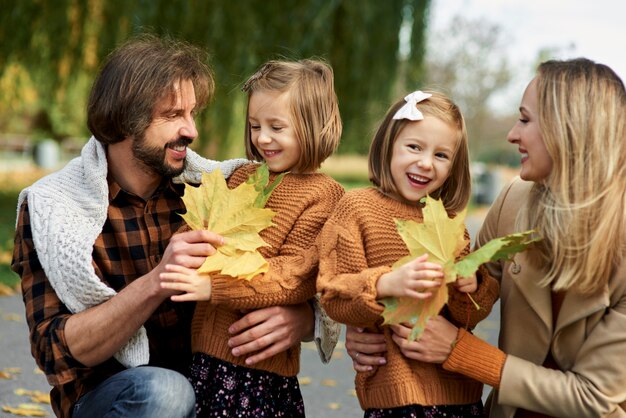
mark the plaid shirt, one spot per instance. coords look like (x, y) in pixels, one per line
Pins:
(131, 244)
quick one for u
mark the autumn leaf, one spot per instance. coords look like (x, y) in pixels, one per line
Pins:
(442, 238)
(236, 214)
(496, 249)
(6, 290)
(35, 395)
(438, 236)
(26, 410)
(329, 382)
(304, 380)
(260, 179)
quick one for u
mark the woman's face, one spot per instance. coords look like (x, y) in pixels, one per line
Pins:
(536, 163)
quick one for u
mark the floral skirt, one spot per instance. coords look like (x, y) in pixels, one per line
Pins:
(227, 390)
(437, 411)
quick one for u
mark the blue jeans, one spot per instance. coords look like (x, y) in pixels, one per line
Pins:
(140, 392)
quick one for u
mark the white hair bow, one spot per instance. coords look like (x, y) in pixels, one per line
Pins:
(409, 110)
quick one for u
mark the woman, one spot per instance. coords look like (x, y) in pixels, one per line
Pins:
(563, 302)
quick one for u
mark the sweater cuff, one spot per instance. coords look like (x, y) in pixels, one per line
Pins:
(476, 358)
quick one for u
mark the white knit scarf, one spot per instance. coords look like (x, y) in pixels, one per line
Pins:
(67, 210)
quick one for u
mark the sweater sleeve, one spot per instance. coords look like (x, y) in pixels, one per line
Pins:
(477, 359)
(292, 272)
(346, 284)
(46, 315)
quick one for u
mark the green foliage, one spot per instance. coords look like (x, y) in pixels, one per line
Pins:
(8, 202)
(60, 44)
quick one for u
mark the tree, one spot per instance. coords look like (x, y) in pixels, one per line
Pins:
(57, 47)
(467, 61)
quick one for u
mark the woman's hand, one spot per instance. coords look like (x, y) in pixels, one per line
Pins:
(435, 344)
(365, 349)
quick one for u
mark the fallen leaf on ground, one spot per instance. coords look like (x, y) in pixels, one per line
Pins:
(352, 392)
(9, 372)
(35, 395)
(26, 410)
(334, 406)
(304, 380)
(12, 317)
(329, 382)
(6, 290)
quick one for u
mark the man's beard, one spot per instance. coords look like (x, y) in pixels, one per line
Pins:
(153, 158)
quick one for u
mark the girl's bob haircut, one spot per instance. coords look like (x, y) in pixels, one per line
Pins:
(313, 105)
(456, 190)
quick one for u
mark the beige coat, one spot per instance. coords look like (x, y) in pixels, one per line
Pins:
(588, 341)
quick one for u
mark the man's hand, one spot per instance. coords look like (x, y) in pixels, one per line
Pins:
(187, 249)
(365, 349)
(269, 331)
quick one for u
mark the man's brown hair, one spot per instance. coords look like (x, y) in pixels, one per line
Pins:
(135, 77)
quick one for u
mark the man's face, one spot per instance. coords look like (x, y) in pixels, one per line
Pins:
(163, 146)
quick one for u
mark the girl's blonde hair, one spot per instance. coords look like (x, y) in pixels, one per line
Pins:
(580, 209)
(313, 105)
(455, 191)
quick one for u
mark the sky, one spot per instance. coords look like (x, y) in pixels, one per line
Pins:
(594, 29)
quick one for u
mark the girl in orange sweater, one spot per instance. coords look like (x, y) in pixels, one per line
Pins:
(420, 149)
(293, 125)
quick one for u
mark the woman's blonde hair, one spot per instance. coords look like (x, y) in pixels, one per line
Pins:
(580, 209)
(313, 105)
(455, 191)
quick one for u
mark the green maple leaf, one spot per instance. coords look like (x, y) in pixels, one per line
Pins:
(442, 238)
(260, 180)
(236, 214)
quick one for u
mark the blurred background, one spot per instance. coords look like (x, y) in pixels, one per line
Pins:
(480, 52)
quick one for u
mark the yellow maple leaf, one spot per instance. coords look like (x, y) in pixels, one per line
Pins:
(443, 239)
(233, 214)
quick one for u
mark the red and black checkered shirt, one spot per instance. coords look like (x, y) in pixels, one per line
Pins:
(131, 244)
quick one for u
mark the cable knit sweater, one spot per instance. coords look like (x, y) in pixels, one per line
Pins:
(302, 202)
(68, 209)
(358, 244)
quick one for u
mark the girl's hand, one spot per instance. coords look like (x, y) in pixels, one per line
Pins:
(194, 286)
(413, 279)
(466, 284)
(365, 349)
(435, 344)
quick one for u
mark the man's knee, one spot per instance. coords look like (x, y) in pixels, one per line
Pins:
(169, 392)
(140, 392)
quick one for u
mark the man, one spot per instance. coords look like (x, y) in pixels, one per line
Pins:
(92, 239)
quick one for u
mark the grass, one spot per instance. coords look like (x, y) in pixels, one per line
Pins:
(7, 229)
(11, 182)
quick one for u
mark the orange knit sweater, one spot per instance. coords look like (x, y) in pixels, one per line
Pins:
(357, 245)
(302, 203)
